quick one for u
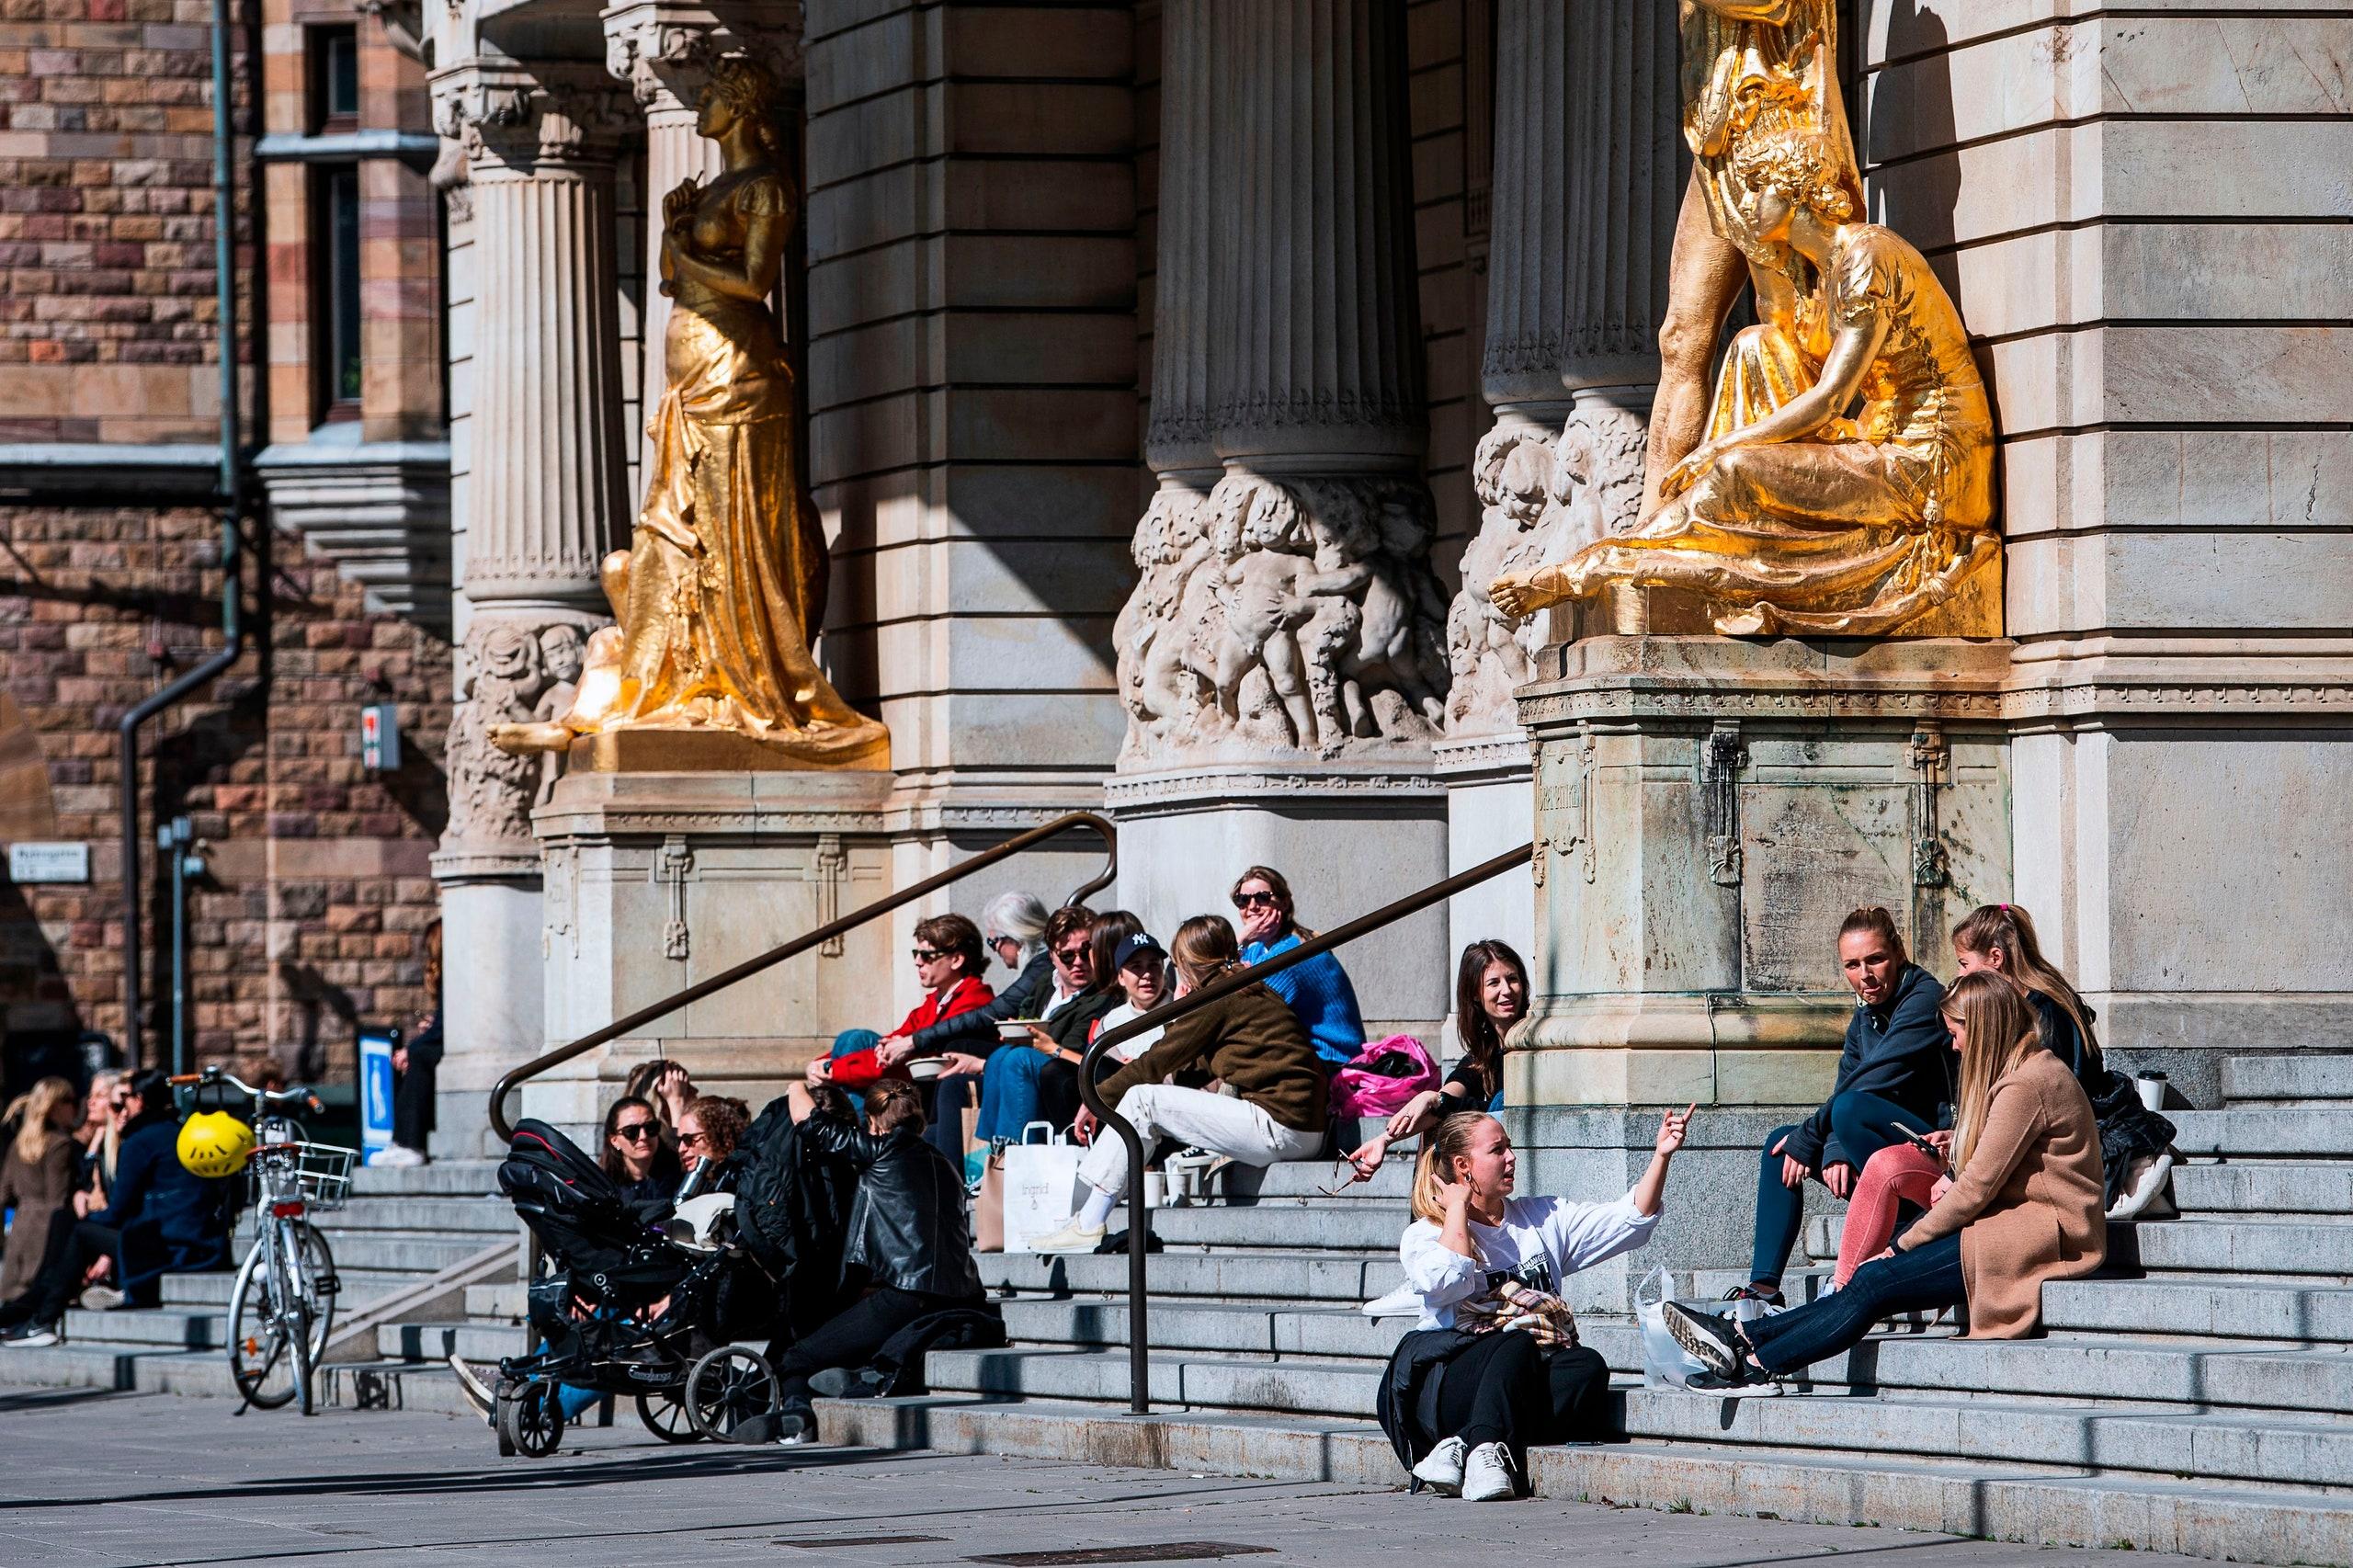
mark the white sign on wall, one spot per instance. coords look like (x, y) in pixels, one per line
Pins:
(47, 862)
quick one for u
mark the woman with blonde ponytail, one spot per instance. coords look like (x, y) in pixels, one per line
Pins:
(1494, 1364)
(37, 1174)
(2024, 1208)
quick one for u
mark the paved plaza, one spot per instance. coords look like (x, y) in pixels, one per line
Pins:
(113, 1481)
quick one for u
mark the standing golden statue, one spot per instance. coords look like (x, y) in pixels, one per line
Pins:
(719, 596)
(1800, 511)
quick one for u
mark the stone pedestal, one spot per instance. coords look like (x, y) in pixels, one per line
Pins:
(658, 881)
(1706, 811)
(490, 994)
(1349, 837)
(1489, 809)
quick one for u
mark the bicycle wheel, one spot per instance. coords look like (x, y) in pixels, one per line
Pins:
(732, 1396)
(257, 1348)
(315, 1281)
(294, 1312)
(665, 1415)
(530, 1420)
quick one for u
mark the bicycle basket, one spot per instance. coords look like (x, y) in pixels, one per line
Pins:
(323, 1170)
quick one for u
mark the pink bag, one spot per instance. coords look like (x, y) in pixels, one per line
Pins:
(1358, 1090)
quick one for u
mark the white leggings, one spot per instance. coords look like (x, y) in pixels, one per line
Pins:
(1220, 1123)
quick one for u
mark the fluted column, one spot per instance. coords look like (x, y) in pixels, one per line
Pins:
(663, 51)
(1176, 442)
(1588, 175)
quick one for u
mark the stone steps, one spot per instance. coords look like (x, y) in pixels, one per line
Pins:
(487, 1217)
(442, 1178)
(2264, 1187)
(2036, 1506)
(2287, 1080)
(2229, 1306)
(1340, 1279)
(359, 1286)
(2283, 1132)
(436, 1341)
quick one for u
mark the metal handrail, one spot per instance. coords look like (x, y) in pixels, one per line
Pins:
(1139, 1353)
(801, 944)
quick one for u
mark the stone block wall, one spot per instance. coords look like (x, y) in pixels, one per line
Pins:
(2144, 220)
(105, 237)
(313, 913)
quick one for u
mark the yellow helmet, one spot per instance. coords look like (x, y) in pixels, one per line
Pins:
(214, 1145)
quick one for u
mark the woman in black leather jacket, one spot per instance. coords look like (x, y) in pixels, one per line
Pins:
(909, 1241)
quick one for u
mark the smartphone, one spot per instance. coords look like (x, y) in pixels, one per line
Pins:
(1921, 1143)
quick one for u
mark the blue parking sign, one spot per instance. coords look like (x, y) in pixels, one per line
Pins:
(376, 1089)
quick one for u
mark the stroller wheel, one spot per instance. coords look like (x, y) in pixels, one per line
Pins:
(732, 1396)
(665, 1415)
(530, 1421)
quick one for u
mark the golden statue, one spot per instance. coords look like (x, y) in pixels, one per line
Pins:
(719, 596)
(1792, 515)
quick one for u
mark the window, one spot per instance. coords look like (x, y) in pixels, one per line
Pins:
(334, 79)
(335, 262)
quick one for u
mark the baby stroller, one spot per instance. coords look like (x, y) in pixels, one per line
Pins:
(631, 1308)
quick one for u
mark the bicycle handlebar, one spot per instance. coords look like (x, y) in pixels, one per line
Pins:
(267, 1099)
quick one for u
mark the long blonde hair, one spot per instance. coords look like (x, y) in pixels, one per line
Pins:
(36, 1106)
(2006, 929)
(1441, 1145)
(106, 1144)
(1999, 1028)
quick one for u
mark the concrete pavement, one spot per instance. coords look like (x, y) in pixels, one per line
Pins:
(99, 1480)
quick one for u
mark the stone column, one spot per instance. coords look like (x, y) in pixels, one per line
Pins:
(1588, 178)
(546, 503)
(1282, 659)
(663, 51)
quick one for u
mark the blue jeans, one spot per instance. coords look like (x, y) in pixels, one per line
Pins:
(1012, 1089)
(1918, 1281)
(1862, 1125)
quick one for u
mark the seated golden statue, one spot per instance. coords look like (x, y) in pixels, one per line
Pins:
(1792, 516)
(719, 595)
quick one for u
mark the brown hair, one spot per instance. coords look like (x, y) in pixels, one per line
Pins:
(1434, 1167)
(1111, 928)
(609, 1157)
(1871, 917)
(954, 935)
(1998, 1027)
(724, 1120)
(433, 965)
(1277, 885)
(1483, 1045)
(2008, 931)
(1204, 948)
(891, 1105)
(1069, 918)
(35, 1106)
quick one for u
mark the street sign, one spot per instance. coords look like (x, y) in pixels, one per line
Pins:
(376, 1089)
(379, 738)
(49, 862)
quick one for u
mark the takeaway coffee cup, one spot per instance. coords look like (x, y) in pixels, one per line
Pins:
(1155, 1189)
(2152, 1088)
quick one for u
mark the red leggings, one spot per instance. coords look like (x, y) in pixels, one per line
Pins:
(1897, 1174)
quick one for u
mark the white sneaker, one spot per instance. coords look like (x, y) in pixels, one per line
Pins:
(1487, 1477)
(1441, 1468)
(1073, 1237)
(398, 1156)
(471, 1385)
(34, 1337)
(100, 1298)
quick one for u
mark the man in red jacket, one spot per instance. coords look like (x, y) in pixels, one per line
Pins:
(948, 961)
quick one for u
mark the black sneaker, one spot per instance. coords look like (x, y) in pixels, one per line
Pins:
(1709, 1383)
(32, 1336)
(1754, 1293)
(1707, 1337)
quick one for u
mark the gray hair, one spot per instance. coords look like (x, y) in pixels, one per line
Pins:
(1017, 914)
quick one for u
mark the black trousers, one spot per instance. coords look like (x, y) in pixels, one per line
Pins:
(72, 1246)
(413, 1105)
(849, 1338)
(1507, 1390)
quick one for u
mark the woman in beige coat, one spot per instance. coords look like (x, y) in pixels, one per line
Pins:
(2026, 1206)
(37, 1169)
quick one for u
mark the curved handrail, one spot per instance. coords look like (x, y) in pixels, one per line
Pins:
(1139, 1350)
(801, 944)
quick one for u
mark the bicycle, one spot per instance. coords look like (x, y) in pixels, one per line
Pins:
(282, 1308)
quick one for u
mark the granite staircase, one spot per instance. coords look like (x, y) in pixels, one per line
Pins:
(2197, 1396)
(408, 1247)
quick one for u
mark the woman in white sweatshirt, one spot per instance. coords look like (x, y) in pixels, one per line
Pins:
(1494, 1364)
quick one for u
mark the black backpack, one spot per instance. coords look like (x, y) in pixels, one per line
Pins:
(581, 1216)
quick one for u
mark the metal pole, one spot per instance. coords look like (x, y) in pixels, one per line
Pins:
(172, 843)
(1138, 1346)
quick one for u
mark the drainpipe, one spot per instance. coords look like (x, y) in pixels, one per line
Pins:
(232, 633)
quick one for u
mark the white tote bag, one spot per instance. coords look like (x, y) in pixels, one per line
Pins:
(1042, 1185)
(1666, 1364)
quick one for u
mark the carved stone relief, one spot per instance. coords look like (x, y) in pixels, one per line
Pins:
(509, 670)
(1275, 616)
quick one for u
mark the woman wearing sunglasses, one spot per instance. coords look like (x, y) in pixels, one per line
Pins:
(634, 1155)
(1318, 990)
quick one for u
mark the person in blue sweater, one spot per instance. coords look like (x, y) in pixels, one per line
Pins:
(1895, 1072)
(159, 1218)
(1317, 991)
